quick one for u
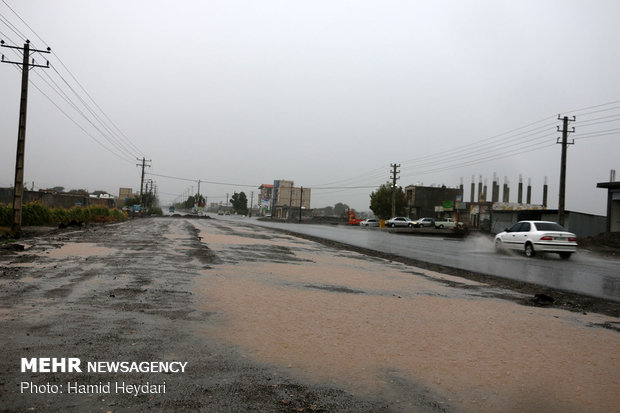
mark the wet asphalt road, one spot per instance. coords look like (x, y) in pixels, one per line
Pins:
(585, 273)
(125, 292)
(270, 322)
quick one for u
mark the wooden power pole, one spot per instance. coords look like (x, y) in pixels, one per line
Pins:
(394, 178)
(18, 188)
(565, 143)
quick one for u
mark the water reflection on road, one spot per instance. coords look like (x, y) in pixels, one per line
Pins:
(585, 273)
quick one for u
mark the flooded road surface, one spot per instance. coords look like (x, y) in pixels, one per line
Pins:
(271, 322)
(585, 273)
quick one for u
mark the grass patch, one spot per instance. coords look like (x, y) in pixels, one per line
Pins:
(36, 214)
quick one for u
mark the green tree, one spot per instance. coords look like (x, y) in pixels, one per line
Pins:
(132, 201)
(191, 201)
(239, 203)
(381, 202)
(340, 209)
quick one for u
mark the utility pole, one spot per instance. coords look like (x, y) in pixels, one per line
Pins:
(301, 198)
(144, 161)
(197, 199)
(394, 178)
(251, 202)
(565, 143)
(18, 188)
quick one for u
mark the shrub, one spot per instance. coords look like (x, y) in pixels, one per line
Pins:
(35, 213)
(6, 215)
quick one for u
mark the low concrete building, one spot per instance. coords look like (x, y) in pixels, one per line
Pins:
(423, 200)
(613, 205)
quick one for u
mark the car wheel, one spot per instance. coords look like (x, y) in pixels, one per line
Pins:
(565, 255)
(410, 225)
(529, 250)
(441, 227)
(498, 245)
(392, 225)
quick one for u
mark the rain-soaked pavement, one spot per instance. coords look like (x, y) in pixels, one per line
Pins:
(270, 322)
(585, 273)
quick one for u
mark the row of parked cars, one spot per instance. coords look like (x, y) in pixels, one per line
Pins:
(418, 223)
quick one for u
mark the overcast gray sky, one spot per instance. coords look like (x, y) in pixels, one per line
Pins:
(325, 93)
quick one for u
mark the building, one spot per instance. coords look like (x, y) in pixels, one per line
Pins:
(613, 204)
(286, 198)
(124, 195)
(430, 201)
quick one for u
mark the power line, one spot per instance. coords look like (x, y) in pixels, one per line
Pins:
(114, 135)
(22, 20)
(204, 181)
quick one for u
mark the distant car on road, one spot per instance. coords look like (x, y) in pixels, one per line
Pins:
(370, 222)
(447, 223)
(399, 222)
(537, 236)
(424, 222)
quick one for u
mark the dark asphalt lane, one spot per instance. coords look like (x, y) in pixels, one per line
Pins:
(585, 273)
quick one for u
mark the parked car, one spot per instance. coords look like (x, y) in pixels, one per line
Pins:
(447, 223)
(370, 222)
(537, 236)
(424, 222)
(399, 222)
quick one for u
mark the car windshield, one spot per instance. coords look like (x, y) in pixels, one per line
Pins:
(549, 226)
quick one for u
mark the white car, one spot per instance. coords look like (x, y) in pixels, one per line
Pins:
(537, 236)
(424, 222)
(399, 222)
(447, 223)
(370, 222)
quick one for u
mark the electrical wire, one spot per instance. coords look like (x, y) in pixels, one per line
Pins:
(113, 134)
(202, 180)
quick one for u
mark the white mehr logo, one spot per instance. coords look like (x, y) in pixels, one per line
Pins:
(51, 365)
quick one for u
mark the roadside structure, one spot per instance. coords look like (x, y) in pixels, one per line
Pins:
(613, 203)
(287, 200)
(264, 199)
(428, 201)
(53, 199)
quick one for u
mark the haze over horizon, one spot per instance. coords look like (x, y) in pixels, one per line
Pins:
(325, 93)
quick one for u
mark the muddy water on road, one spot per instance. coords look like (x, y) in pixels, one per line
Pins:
(387, 330)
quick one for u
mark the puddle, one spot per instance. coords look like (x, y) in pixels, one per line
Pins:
(479, 355)
(77, 249)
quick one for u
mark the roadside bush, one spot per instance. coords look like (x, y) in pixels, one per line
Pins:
(99, 211)
(6, 215)
(35, 213)
(118, 215)
(60, 215)
(154, 211)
